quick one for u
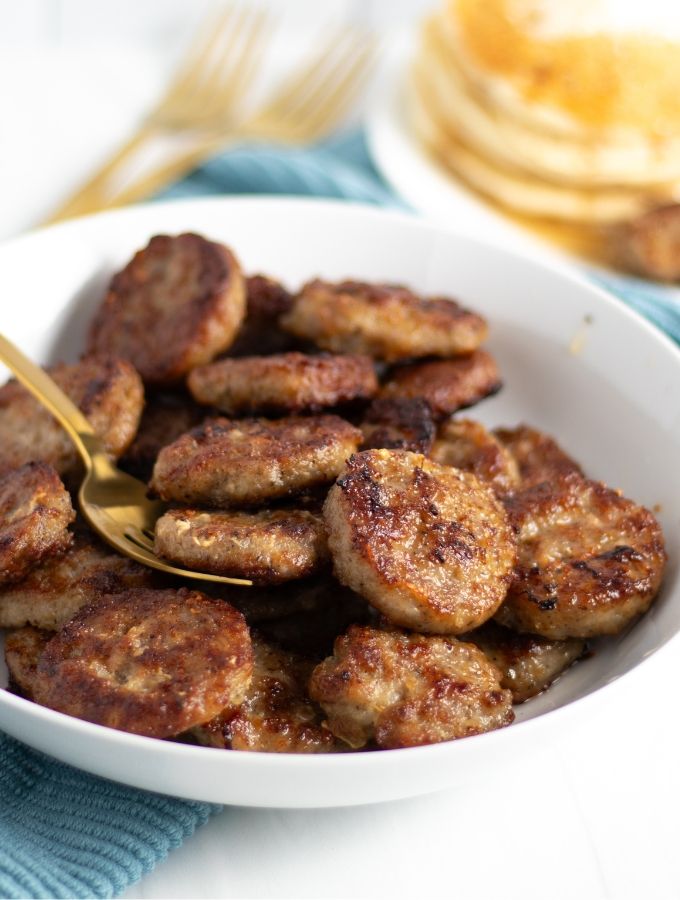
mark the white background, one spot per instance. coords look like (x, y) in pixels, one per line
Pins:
(592, 813)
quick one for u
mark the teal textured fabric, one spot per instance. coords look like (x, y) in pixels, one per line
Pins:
(64, 833)
(656, 302)
(340, 168)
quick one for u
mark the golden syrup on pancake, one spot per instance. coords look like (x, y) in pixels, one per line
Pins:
(599, 80)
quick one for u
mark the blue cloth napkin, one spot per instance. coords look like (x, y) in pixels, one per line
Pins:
(64, 833)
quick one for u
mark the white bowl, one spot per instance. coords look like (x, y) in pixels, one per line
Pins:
(576, 363)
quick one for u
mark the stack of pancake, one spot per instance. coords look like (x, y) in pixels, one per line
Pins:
(567, 110)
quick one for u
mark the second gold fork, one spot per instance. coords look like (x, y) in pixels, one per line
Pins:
(305, 108)
(205, 95)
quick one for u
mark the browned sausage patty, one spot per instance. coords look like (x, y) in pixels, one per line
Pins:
(265, 603)
(590, 561)
(311, 631)
(226, 463)
(404, 690)
(288, 382)
(529, 664)
(302, 616)
(276, 716)
(467, 445)
(107, 391)
(54, 591)
(268, 547)
(650, 244)
(165, 418)
(537, 455)
(177, 304)
(398, 423)
(23, 647)
(149, 662)
(386, 321)
(35, 512)
(448, 384)
(266, 300)
(427, 545)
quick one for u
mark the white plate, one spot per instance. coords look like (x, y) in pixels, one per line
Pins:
(429, 188)
(613, 404)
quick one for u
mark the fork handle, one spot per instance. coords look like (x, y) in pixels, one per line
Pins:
(183, 162)
(39, 383)
(91, 196)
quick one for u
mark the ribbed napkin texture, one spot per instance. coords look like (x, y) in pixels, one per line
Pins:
(64, 833)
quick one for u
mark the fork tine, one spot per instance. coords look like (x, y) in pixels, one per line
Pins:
(298, 81)
(199, 71)
(317, 81)
(327, 94)
(240, 77)
(228, 48)
(221, 76)
(235, 70)
(337, 68)
(201, 48)
(329, 102)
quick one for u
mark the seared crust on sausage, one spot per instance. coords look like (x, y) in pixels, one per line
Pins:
(404, 690)
(529, 664)
(447, 385)
(590, 561)
(386, 321)
(35, 512)
(288, 382)
(398, 423)
(538, 457)
(226, 463)
(177, 304)
(427, 545)
(267, 547)
(54, 591)
(266, 300)
(23, 647)
(276, 716)
(467, 445)
(149, 662)
(108, 392)
(165, 417)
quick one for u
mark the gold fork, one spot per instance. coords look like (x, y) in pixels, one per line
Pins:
(114, 503)
(305, 108)
(205, 95)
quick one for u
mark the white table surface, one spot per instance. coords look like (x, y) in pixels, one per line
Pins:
(592, 813)
(589, 814)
